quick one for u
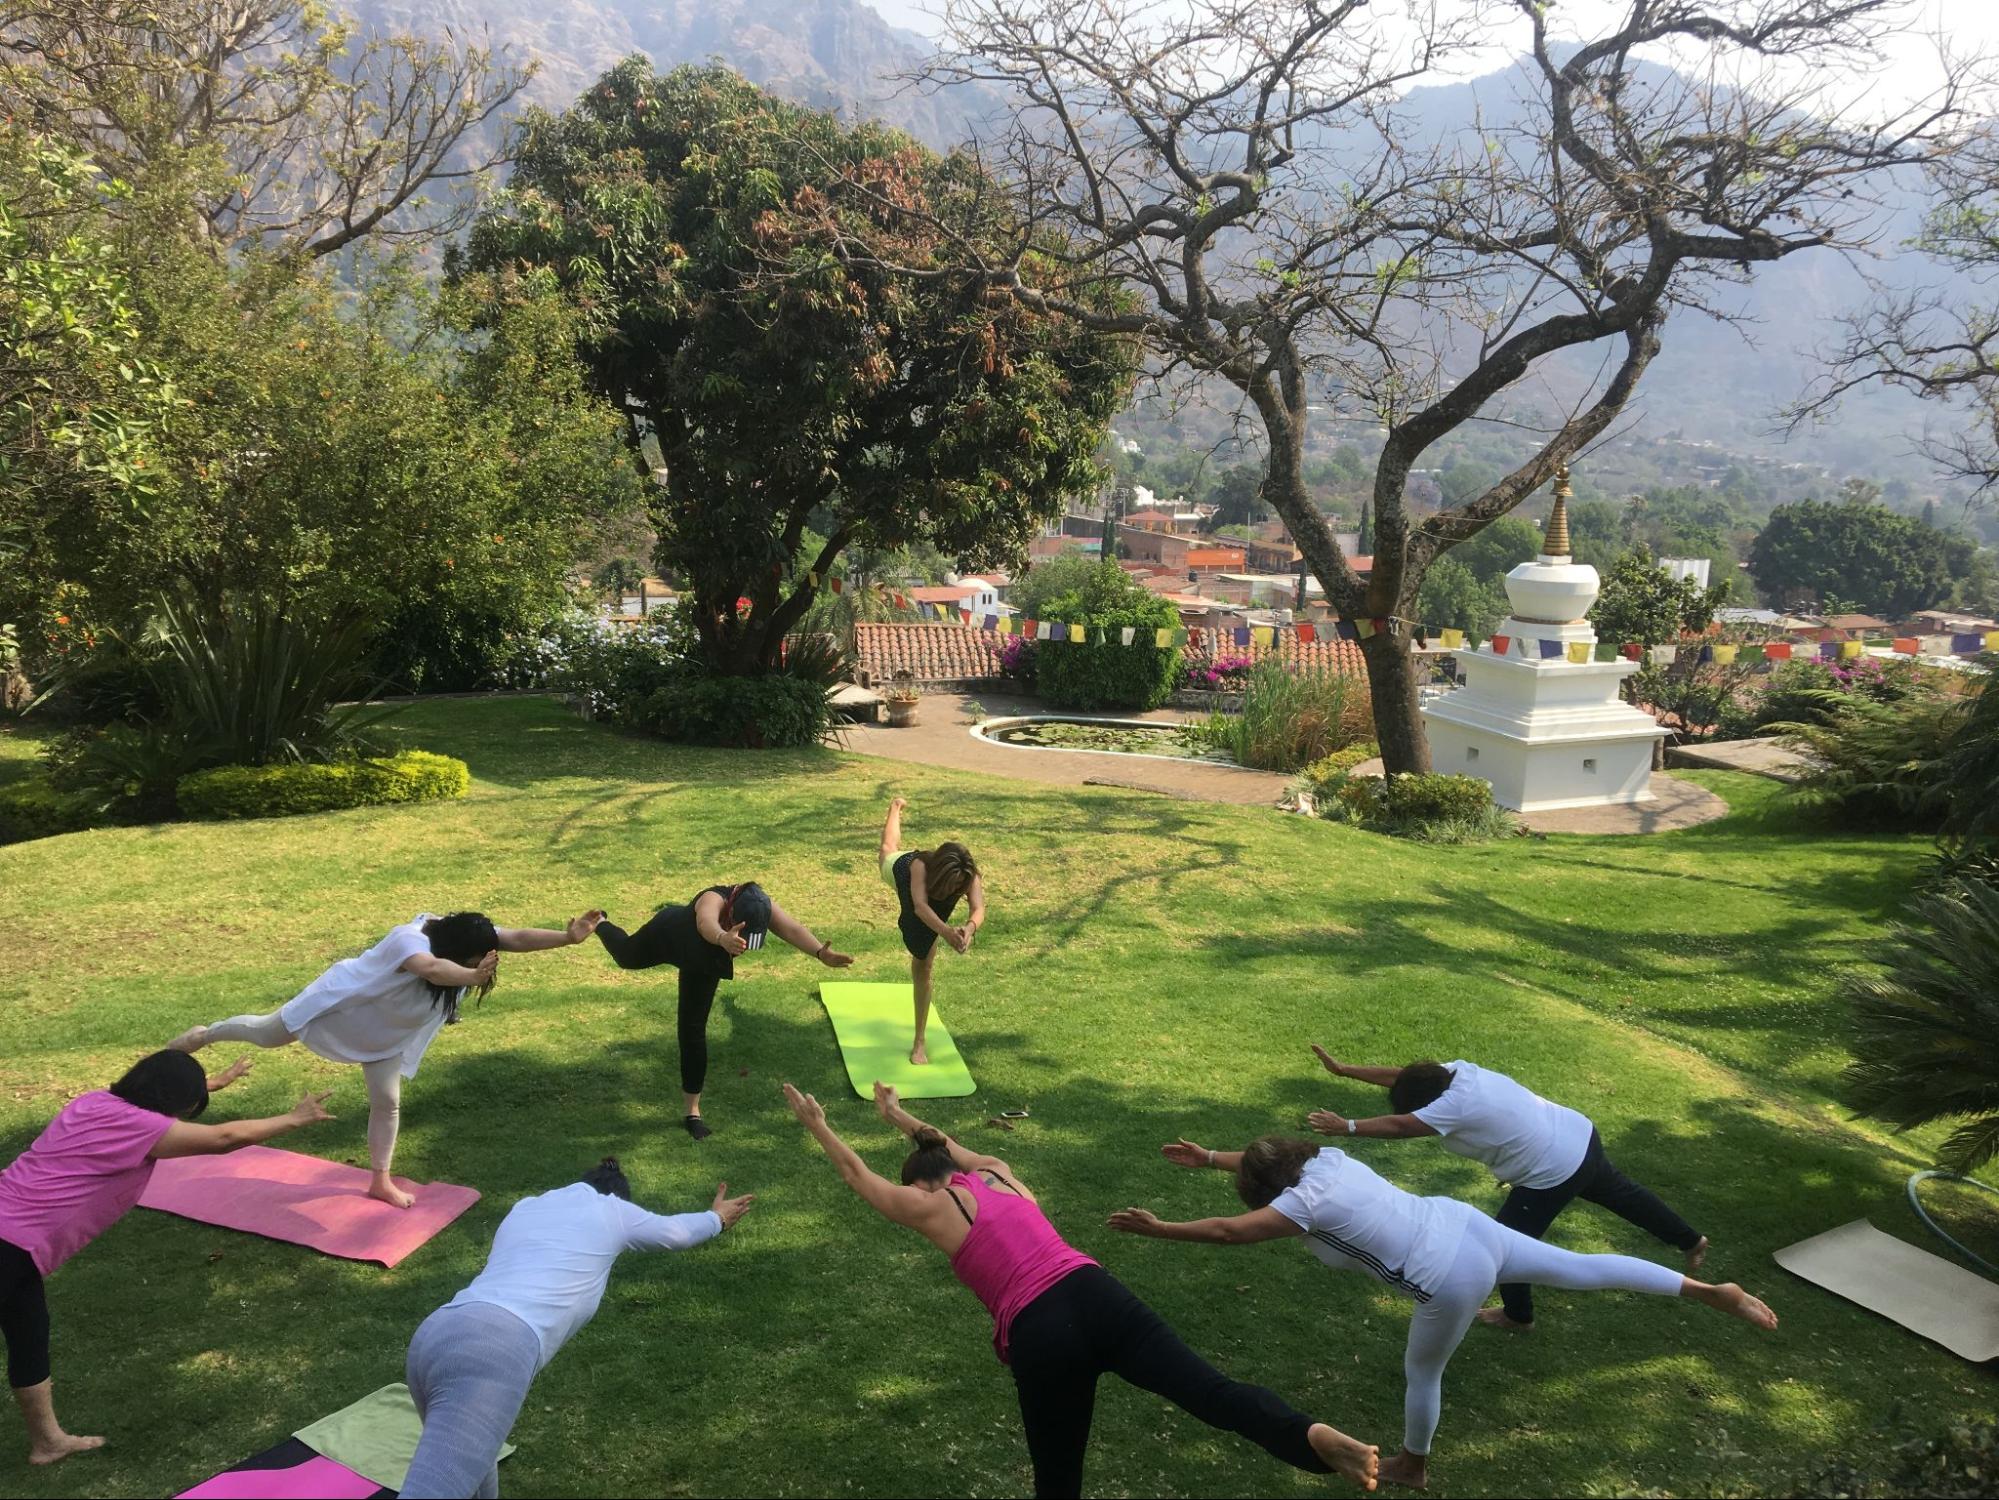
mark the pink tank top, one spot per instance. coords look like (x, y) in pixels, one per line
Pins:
(1011, 1255)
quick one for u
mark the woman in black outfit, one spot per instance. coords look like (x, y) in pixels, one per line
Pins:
(702, 939)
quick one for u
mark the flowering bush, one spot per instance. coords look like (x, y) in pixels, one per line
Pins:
(1016, 658)
(598, 662)
(1218, 674)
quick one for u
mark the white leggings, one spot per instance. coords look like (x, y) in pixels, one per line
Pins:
(384, 1078)
(1492, 1253)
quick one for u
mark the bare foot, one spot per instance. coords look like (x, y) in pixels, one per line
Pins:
(56, 1450)
(919, 1055)
(1410, 1470)
(1495, 1317)
(383, 1188)
(1697, 1257)
(1733, 1300)
(1346, 1456)
(191, 1040)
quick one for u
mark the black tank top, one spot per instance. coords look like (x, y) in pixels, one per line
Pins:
(687, 950)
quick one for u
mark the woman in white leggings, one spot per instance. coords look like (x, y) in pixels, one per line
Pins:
(381, 1008)
(1444, 1253)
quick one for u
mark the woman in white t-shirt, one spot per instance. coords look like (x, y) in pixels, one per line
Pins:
(1445, 1254)
(1546, 1154)
(381, 1008)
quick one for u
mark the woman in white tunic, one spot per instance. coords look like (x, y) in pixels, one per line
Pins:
(381, 1008)
(1444, 1253)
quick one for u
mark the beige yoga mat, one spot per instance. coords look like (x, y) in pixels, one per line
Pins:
(1925, 1293)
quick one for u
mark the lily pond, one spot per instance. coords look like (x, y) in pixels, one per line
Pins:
(1114, 736)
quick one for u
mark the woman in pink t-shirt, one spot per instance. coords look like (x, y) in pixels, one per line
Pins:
(79, 1177)
(1060, 1320)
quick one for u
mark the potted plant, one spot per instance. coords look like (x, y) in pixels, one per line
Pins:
(903, 695)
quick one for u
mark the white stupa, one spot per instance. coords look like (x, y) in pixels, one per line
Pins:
(1546, 732)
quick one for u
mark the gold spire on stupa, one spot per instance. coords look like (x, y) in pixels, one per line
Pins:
(1555, 541)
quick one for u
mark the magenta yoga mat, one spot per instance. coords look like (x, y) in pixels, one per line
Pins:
(305, 1201)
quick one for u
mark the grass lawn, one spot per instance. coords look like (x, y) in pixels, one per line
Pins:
(1152, 968)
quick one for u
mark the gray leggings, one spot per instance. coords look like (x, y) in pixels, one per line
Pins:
(469, 1370)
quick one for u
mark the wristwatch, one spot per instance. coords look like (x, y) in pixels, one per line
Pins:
(1353, 1127)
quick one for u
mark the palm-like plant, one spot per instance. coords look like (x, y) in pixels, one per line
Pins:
(1880, 762)
(1926, 1028)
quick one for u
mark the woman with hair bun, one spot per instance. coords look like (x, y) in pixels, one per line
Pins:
(79, 1178)
(1444, 1253)
(702, 939)
(471, 1362)
(380, 1009)
(928, 884)
(1060, 1320)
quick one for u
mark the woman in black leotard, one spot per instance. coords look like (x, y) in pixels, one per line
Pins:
(702, 939)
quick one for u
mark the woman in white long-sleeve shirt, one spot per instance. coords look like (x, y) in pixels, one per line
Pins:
(472, 1361)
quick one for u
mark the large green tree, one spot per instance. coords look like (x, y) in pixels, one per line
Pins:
(1640, 601)
(1885, 563)
(694, 220)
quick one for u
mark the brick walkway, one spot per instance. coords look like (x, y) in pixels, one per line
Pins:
(943, 737)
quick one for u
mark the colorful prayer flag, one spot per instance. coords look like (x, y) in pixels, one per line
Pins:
(1992, 640)
(1162, 638)
(1078, 634)
(812, 577)
(1240, 635)
(1549, 649)
(834, 585)
(1179, 637)
(1453, 639)
(1500, 643)
(1908, 645)
(1665, 656)
(1752, 652)
(1966, 643)
(1128, 634)
(1380, 625)
(1030, 627)
(1347, 630)
(1579, 650)
(1723, 655)
(1263, 635)
(1006, 624)
(1307, 633)
(1777, 650)
(1364, 629)
(991, 622)
(1848, 650)
(1633, 651)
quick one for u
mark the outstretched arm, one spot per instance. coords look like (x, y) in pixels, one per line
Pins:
(796, 933)
(1382, 1127)
(888, 1103)
(1380, 1077)
(534, 939)
(1184, 1153)
(185, 1138)
(1240, 1229)
(442, 971)
(899, 1205)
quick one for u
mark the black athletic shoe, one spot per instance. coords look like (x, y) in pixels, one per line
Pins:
(697, 1127)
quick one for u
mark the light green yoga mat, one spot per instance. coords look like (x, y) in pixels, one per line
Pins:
(375, 1437)
(875, 1024)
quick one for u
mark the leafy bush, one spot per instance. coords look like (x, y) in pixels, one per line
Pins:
(1879, 764)
(1017, 658)
(1106, 673)
(123, 773)
(762, 713)
(1325, 776)
(816, 658)
(36, 809)
(1291, 719)
(277, 791)
(1926, 1028)
(1431, 809)
(1217, 674)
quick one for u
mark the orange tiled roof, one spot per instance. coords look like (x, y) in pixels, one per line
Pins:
(947, 652)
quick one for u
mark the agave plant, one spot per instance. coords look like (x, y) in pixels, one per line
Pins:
(250, 684)
(1926, 1028)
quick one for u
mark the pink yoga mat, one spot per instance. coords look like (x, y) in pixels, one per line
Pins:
(303, 1200)
(315, 1479)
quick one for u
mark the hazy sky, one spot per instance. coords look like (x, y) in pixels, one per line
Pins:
(1969, 24)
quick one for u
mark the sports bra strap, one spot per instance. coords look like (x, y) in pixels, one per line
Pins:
(960, 1203)
(1011, 1186)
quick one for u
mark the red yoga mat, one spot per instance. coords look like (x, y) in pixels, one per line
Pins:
(314, 1479)
(303, 1200)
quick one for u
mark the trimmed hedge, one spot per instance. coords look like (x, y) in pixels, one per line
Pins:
(33, 809)
(286, 790)
(1324, 776)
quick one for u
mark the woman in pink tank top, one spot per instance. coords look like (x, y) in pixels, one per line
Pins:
(1060, 1321)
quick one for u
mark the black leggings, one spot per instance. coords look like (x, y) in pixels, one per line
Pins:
(648, 948)
(24, 1317)
(1597, 1180)
(1089, 1324)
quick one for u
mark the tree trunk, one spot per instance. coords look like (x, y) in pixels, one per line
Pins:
(1391, 686)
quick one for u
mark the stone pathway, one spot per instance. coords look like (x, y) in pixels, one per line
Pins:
(1758, 757)
(943, 736)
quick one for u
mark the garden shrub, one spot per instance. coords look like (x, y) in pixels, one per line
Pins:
(1324, 776)
(760, 713)
(278, 791)
(1880, 764)
(1106, 673)
(1430, 808)
(36, 809)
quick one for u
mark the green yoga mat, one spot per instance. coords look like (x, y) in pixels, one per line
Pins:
(875, 1024)
(375, 1437)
